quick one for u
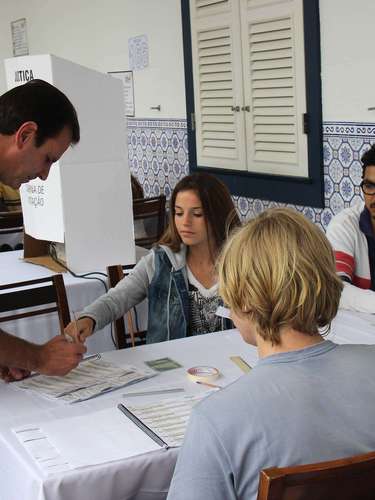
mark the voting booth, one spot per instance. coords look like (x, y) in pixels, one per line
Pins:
(85, 205)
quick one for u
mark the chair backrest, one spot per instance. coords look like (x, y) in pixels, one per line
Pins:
(11, 222)
(149, 220)
(24, 295)
(345, 479)
(122, 338)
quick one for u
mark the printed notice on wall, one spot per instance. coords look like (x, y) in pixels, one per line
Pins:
(128, 90)
(138, 52)
(19, 37)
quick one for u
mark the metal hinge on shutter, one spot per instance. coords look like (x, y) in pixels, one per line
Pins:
(305, 118)
(192, 121)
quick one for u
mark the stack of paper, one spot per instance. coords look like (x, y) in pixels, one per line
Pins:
(169, 418)
(94, 438)
(88, 380)
(42, 450)
(103, 436)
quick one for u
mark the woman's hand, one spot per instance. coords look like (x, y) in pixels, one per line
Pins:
(79, 330)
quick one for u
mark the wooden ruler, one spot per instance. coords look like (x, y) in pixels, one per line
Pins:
(241, 363)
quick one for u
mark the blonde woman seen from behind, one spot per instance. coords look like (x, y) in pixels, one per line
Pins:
(300, 403)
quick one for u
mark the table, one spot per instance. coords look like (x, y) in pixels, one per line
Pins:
(80, 293)
(144, 477)
(353, 328)
(147, 476)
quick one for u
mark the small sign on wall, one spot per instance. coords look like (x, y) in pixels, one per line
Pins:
(19, 37)
(128, 85)
(138, 52)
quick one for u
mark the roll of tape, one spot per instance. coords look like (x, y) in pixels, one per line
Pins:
(203, 373)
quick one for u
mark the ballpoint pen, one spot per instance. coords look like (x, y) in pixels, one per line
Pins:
(92, 357)
(213, 386)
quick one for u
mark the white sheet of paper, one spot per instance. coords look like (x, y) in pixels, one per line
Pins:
(89, 379)
(42, 451)
(223, 312)
(168, 418)
(97, 438)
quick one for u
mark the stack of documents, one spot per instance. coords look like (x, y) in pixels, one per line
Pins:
(167, 419)
(102, 436)
(91, 439)
(106, 435)
(88, 380)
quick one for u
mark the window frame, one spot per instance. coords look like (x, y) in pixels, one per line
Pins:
(307, 191)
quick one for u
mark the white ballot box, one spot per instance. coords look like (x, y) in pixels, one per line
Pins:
(86, 202)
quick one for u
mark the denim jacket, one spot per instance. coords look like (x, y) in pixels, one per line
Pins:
(168, 301)
(160, 276)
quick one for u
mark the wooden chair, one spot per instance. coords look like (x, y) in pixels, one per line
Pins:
(351, 478)
(25, 295)
(122, 338)
(11, 222)
(150, 213)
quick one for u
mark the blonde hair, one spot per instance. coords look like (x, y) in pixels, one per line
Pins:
(279, 270)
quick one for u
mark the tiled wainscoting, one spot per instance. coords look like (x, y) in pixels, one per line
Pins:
(158, 154)
(158, 157)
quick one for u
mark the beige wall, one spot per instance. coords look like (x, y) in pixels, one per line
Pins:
(95, 33)
(348, 65)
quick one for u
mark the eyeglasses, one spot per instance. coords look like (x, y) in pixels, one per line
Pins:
(368, 187)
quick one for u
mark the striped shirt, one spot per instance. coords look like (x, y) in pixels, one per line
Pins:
(351, 236)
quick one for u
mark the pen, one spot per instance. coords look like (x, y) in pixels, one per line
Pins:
(76, 327)
(213, 386)
(93, 356)
(141, 425)
(87, 358)
(68, 337)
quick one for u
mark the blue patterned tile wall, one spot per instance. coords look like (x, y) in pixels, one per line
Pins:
(158, 157)
(158, 154)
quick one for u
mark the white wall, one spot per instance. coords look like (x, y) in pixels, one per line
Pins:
(95, 33)
(348, 61)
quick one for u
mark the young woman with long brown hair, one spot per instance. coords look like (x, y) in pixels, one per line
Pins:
(178, 275)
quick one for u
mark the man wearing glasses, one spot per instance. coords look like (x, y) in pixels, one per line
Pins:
(352, 236)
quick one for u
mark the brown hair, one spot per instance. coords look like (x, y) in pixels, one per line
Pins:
(368, 159)
(218, 209)
(279, 271)
(42, 103)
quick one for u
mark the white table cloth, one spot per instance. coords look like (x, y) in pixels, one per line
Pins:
(353, 328)
(147, 476)
(144, 477)
(80, 293)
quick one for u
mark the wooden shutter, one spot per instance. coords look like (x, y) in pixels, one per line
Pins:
(209, 7)
(274, 86)
(216, 51)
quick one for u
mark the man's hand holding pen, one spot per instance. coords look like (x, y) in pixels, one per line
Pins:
(55, 357)
(59, 357)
